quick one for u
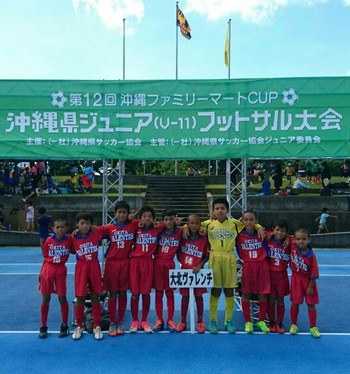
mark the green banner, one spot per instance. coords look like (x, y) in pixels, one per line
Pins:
(192, 119)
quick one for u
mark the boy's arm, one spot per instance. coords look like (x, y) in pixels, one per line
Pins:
(310, 287)
(42, 265)
(198, 267)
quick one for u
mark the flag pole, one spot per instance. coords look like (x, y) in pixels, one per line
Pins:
(123, 48)
(177, 42)
(229, 48)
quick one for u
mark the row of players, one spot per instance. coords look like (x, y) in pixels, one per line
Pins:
(141, 253)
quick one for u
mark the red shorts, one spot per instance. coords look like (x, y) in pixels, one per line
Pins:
(87, 278)
(53, 279)
(141, 275)
(279, 283)
(161, 273)
(298, 289)
(256, 278)
(116, 276)
(197, 291)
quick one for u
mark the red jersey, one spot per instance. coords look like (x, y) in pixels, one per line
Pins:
(86, 247)
(168, 244)
(192, 251)
(57, 251)
(121, 239)
(146, 241)
(303, 264)
(278, 256)
(250, 247)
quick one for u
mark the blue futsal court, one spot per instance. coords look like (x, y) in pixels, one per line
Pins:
(22, 351)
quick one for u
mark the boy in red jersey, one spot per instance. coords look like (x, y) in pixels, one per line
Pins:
(278, 261)
(193, 254)
(168, 244)
(53, 275)
(255, 271)
(141, 267)
(87, 272)
(304, 268)
(116, 276)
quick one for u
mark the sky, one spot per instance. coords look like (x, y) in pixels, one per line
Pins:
(83, 39)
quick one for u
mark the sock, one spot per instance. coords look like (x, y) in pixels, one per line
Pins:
(294, 311)
(200, 308)
(96, 314)
(44, 312)
(79, 315)
(159, 305)
(184, 309)
(112, 310)
(146, 303)
(170, 302)
(213, 305)
(262, 310)
(280, 312)
(312, 317)
(134, 306)
(64, 312)
(271, 313)
(122, 307)
(230, 301)
(246, 310)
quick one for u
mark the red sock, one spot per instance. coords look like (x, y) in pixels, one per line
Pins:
(112, 310)
(146, 303)
(170, 304)
(64, 312)
(200, 307)
(280, 312)
(312, 317)
(134, 305)
(44, 312)
(96, 314)
(294, 311)
(262, 310)
(159, 305)
(184, 309)
(246, 310)
(79, 315)
(122, 307)
(271, 312)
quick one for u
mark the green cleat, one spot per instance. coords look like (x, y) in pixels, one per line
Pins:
(314, 332)
(293, 329)
(213, 327)
(262, 326)
(248, 327)
(230, 328)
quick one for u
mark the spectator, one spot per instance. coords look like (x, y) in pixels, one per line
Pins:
(29, 209)
(289, 173)
(191, 171)
(326, 174)
(277, 176)
(344, 170)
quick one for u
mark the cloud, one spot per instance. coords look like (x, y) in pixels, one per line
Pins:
(112, 12)
(256, 11)
(346, 2)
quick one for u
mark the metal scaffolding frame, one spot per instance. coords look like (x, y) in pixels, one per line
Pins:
(236, 184)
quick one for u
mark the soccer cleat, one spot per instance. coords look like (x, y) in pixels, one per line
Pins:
(314, 332)
(273, 327)
(64, 330)
(98, 335)
(146, 327)
(77, 333)
(230, 328)
(134, 327)
(262, 326)
(112, 331)
(293, 329)
(248, 327)
(213, 327)
(181, 326)
(43, 332)
(158, 326)
(279, 328)
(200, 327)
(171, 326)
(120, 328)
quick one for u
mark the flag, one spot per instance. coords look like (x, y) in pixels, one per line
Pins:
(227, 46)
(183, 24)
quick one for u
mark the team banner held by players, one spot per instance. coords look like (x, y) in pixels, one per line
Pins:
(199, 119)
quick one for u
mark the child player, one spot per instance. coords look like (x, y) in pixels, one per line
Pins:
(255, 271)
(304, 268)
(168, 244)
(278, 262)
(116, 276)
(87, 273)
(53, 275)
(193, 254)
(43, 225)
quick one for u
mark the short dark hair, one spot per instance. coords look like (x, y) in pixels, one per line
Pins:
(195, 216)
(169, 213)
(122, 205)
(302, 230)
(86, 216)
(282, 224)
(251, 212)
(324, 210)
(221, 200)
(42, 210)
(60, 220)
(147, 208)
